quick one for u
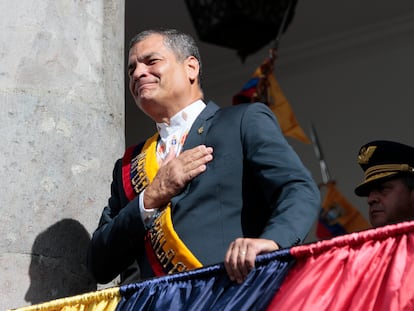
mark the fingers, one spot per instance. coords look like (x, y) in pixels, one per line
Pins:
(241, 255)
(239, 260)
(175, 173)
(194, 161)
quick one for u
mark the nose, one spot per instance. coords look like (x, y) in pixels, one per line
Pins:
(372, 197)
(137, 71)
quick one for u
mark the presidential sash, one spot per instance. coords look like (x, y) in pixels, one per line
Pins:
(166, 252)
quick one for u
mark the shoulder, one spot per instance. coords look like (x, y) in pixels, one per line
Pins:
(123, 164)
(247, 114)
(256, 110)
(247, 107)
(132, 150)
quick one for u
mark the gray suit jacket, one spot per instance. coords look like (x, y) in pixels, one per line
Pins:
(256, 186)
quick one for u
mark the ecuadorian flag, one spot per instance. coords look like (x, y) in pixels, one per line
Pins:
(263, 87)
(338, 216)
(367, 270)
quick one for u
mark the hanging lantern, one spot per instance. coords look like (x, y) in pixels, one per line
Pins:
(243, 25)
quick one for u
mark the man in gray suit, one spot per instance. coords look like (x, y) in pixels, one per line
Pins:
(211, 185)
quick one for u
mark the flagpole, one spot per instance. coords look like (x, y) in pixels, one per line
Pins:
(282, 25)
(326, 176)
(273, 50)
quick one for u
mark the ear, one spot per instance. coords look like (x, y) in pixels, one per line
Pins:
(411, 206)
(192, 67)
(411, 195)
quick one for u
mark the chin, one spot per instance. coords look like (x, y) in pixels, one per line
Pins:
(145, 104)
(378, 222)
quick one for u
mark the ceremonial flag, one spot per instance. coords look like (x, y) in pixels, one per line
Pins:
(369, 270)
(338, 216)
(263, 87)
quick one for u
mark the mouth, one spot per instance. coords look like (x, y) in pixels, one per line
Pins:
(375, 211)
(140, 87)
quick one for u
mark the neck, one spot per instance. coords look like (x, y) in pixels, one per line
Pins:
(172, 112)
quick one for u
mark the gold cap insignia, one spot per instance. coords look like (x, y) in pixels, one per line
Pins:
(365, 154)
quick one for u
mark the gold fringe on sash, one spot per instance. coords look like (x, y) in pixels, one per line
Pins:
(169, 250)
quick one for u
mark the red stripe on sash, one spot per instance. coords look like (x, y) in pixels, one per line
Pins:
(154, 262)
(126, 173)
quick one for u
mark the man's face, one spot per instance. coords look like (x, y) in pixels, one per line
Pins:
(158, 82)
(390, 202)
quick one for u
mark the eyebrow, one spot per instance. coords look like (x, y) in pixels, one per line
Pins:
(146, 57)
(149, 55)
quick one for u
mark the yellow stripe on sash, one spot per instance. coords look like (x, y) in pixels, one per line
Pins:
(169, 249)
(151, 163)
(171, 252)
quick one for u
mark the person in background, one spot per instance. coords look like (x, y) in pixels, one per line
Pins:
(211, 185)
(389, 181)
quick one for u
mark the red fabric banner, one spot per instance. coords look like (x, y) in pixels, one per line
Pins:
(369, 270)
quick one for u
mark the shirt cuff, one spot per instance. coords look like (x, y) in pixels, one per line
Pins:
(146, 214)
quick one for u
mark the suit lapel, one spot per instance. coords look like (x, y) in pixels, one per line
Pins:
(196, 137)
(200, 127)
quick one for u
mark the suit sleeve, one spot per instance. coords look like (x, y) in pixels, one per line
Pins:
(119, 238)
(287, 186)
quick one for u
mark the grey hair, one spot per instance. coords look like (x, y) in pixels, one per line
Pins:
(183, 45)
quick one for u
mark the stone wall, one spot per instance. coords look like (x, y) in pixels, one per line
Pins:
(62, 128)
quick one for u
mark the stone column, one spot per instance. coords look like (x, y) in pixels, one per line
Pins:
(61, 129)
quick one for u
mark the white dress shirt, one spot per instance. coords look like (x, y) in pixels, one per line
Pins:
(172, 135)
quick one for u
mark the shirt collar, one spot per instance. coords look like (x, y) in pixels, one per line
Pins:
(184, 119)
